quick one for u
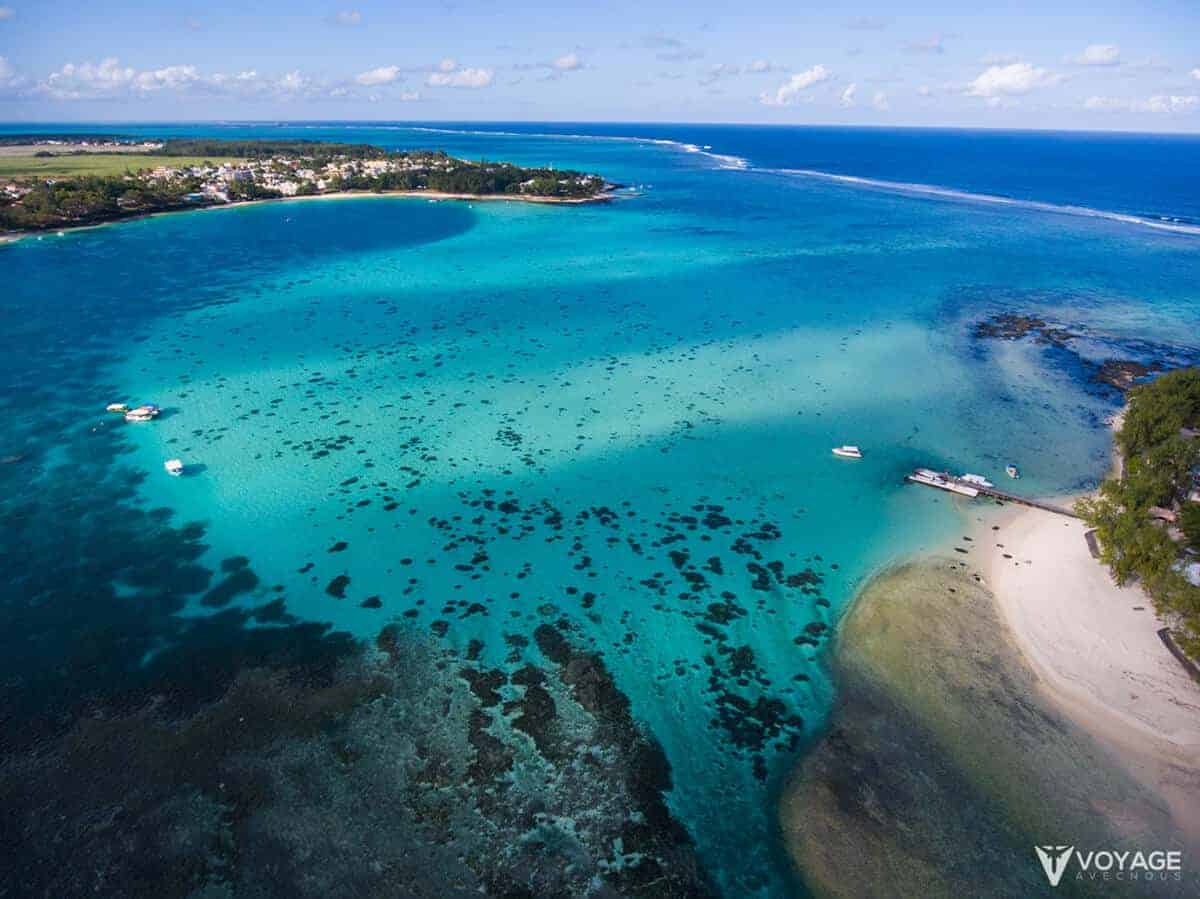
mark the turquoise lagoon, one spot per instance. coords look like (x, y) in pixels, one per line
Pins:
(469, 419)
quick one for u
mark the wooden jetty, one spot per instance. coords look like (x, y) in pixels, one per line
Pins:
(945, 481)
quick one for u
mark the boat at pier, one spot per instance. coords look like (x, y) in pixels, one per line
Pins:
(977, 479)
(943, 481)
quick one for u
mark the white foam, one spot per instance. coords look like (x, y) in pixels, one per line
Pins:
(725, 161)
(947, 193)
(738, 163)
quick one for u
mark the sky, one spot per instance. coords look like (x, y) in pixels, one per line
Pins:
(1069, 64)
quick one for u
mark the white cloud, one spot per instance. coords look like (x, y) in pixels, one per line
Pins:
(1097, 55)
(7, 12)
(1013, 79)
(250, 83)
(1195, 73)
(848, 96)
(80, 81)
(292, 82)
(448, 64)
(792, 89)
(110, 80)
(925, 90)
(348, 17)
(409, 96)
(880, 101)
(468, 78)
(568, 63)
(1161, 104)
(760, 65)
(169, 78)
(380, 75)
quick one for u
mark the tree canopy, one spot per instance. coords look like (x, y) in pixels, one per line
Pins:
(1162, 460)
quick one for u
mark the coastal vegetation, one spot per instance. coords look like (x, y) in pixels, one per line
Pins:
(62, 184)
(1147, 520)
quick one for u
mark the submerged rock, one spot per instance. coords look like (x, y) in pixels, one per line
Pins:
(387, 779)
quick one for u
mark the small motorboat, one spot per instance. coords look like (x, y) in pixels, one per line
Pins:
(1011, 471)
(847, 452)
(174, 467)
(117, 407)
(146, 412)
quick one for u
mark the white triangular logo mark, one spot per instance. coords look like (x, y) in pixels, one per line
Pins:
(1054, 861)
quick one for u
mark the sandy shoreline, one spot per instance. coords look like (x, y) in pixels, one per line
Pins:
(1012, 691)
(946, 760)
(431, 195)
(1096, 651)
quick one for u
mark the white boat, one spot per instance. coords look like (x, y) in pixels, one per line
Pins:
(941, 481)
(174, 467)
(976, 479)
(145, 412)
(847, 452)
(117, 407)
(1011, 471)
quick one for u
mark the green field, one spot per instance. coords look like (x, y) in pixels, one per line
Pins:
(92, 164)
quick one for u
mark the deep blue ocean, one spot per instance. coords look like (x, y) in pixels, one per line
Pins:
(473, 422)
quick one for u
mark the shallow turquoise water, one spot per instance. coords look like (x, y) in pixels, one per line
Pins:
(485, 415)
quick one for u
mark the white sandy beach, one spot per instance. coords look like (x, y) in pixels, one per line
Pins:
(430, 195)
(1096, 649)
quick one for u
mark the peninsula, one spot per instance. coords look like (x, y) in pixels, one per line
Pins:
(53, 183)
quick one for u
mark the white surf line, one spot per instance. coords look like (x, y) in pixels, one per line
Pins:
(948, 193)
(727, 161)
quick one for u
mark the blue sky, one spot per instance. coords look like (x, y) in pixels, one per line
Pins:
(1050, 64)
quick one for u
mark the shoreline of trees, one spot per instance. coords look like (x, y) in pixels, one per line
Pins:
(1147, 520)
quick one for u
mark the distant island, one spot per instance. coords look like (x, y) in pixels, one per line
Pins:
(59, 182)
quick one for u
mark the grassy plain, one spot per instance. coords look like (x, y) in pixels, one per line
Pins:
(74, 165)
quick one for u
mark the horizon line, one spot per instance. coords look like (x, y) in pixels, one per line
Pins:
(278, 121)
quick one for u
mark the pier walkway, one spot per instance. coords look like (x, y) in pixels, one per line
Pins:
(952, 482)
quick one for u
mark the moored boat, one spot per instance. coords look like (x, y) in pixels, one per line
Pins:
(145, 412)
(174, 467)
(1011, 471)
(942, 481)
(117, 407)
(847, 452)
(977, 479)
